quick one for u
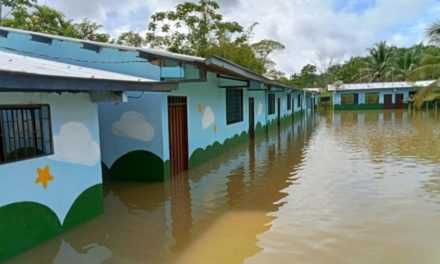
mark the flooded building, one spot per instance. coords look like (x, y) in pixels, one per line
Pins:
(364, 96)
(155, 134)
(73, 110)
(50, 162)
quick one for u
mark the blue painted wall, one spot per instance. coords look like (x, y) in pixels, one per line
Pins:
(31, 212)
(382, 92)
(75, 164)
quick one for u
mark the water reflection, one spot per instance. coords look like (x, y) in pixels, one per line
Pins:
(343, 187)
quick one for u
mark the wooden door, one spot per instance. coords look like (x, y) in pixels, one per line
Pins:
(279, 111)
(399, 101)
(388, 101)
(178, 134)
(251, 117)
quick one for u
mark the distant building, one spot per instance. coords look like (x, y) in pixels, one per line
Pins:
(387, 95)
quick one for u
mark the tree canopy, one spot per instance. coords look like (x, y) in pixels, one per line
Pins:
(198, 28)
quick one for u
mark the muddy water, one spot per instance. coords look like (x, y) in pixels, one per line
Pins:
(344, 187)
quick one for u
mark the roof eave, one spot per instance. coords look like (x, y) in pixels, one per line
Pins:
(26, 82)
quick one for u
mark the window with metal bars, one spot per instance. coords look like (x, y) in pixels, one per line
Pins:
(25, 132)
(299, 101)
(271, 103)
(234, 106)
(289, 102)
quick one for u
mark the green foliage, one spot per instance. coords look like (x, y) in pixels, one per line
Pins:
(197, 28)
(192, 28)
(348, 72)
(308, 77)
(427, 94)
(130, 39)
(378, 67)
(89, 30)
(433, 32)
(41, 18)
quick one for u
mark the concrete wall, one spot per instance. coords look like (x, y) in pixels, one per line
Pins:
(135, 137)
(30, 213)
(382, 92)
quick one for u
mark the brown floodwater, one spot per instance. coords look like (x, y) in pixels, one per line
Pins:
(342, 187)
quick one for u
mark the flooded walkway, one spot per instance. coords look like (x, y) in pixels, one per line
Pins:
(344, 187)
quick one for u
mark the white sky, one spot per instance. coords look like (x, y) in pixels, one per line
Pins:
(308, 28)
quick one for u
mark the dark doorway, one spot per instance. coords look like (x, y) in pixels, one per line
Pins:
(399, 101)
(279, 111)
(388, 101)
(178, 134)
(356, 99)
(251, 117)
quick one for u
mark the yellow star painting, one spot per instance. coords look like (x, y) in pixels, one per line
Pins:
(44, 176)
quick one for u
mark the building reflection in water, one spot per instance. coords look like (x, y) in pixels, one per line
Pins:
(204, 214)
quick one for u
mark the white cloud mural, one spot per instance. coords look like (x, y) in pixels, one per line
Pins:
(208, 117)
(260, 108)
(74, 144)
(133, 125)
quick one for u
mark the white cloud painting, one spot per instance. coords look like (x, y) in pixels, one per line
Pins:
(74, 144)
(133, 125)
(208, 118)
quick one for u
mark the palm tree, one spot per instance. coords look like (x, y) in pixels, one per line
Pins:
(433, 32)
(428, 94)
(429, 69)
(404, 63)
(378, 65)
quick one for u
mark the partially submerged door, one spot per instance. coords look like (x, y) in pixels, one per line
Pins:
(279, 111)
(356, 99)
(388, 101)
(399, 101)
(251, 117)
(178, 134)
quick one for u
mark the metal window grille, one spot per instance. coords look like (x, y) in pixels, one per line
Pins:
(271, 103)
(289, 102)
(234, 106)
(25, 132)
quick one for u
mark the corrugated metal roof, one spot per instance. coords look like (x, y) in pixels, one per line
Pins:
(159, 53)
(375, 86)
(313, 90)
(218, 62)
(10, 62)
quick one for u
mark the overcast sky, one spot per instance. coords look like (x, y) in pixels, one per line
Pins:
(308, 28)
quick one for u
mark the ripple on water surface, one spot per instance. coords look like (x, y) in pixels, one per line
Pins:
(343, 187)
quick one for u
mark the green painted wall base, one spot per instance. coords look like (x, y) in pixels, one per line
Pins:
(139, 165)
(145, 166)
(25, 224)
(202, 155)
(364, 107)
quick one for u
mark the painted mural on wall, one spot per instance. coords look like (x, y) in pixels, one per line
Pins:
(43, 196)
(132, 139)
(133, 125)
